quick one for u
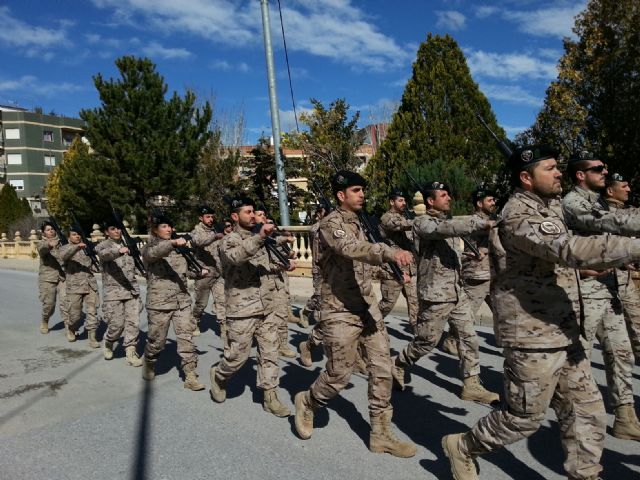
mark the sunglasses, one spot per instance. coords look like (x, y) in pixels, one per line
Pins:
(597, 168)
(227, 225)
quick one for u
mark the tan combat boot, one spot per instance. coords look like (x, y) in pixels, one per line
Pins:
(304, 414)
(397, 372)
(70, 334)
(625, 425)
(303, 318)
(44, 326)
(383, 440)
(450, 346)
(272, 404)
(462, 466)
(475, 392)
(283, 349)
(107, 351)
(148, 369)
(93, 341)
(132, 356)
(191, 382)
(305, 354)
(218, 391)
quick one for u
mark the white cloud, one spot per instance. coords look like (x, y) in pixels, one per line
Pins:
(485, 11)
(513, 131)
(225, 66)
(509, 65)
(32, 85)
(16, 33)
(556, 21)
(155, 50)
(97, 39)
(288, 119)
(510, 94)
(333, 29)
(451, 20)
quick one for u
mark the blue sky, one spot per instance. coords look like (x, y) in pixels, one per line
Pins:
(361, 50)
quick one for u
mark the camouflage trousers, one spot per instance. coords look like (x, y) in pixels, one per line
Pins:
(341, 337)
(75, 302)
(203, 288)
(315, 336)
(604, 320)
(478, 292)
(391, 289)
(533, 381)
(122, 315)
(282, 318)
(183, 327)
(240, 335)
(313, 303)
(630, 297)
(431, 321)
(48, 293)
(219, 304)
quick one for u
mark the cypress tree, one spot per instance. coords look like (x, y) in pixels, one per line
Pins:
(11, 208)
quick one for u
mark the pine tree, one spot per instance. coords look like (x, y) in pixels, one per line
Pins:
(436, 122)
(11, 208)
(154, 141)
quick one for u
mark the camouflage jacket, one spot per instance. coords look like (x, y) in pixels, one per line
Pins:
(585, 216)
(472, 268)
(50, 269)
(534, 285)
(623, 274)
(397, 229)
(313, 241)
(205, 247)
(250, 279)
(77, 266)
(439, 247)
(118, 271)
(345, 258)
(166, 276)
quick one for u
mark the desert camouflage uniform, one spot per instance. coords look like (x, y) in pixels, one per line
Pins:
(205, 246)
(603, 316)
(168, 301)
(629, 294)
(282, 298)
(476, 274)
(440, 290)
(314, 301)
(536, 303)
(251, 290)
(349, 311)
(394, 228)
(82, 288)
(51, 279)
(121, 303)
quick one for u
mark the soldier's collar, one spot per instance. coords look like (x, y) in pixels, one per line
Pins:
(615, 203)
(588, 194)
(482, 214)
(530, 198)
(347, 214)
(244, 233)
(205, 227)
(432, 212)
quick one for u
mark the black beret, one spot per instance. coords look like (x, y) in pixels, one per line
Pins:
(110, 222)
(395, 193)
(46, 223)
(433, 186)
(582, 156)
(344, 179)
(480, 192)
(205, 210)
(259, 207)
(240, 202)
(522, 157)
(613, 177)
(73, 228)
(160, 218)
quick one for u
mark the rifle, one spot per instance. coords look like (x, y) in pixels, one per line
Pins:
(503, 147)
(63, 239)
(131, 243)
(192, 262)
(89, 249)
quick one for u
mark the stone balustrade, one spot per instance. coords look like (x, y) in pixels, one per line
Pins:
(18, 247)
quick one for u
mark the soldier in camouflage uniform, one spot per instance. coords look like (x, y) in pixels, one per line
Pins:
(251, 293)
(603, 314)
(121, 303)
(50, 276)
(441, 292)
(82, 288)
(168, 301)
(396, 228)
(616, 194)
(204, 242)
(311, 307)
(536, 304)
(349, 314)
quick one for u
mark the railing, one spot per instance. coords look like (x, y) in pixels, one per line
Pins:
(19, 248)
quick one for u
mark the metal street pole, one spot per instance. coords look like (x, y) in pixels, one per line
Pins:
(275, 116)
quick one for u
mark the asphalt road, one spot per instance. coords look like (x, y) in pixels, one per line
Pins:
(66, 413)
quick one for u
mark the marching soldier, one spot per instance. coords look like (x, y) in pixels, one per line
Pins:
(226, 228)
(536, 309)
(51, 276)
(349, 314)
(397, 229)
(168, 301)
(616, 194)
(204, 241)
(250, 293)
(121, 303)
(441, 292)
(82, 288)
(604, 318)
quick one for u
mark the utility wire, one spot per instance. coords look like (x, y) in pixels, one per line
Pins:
(286, 56)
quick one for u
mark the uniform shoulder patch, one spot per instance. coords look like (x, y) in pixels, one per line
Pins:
(549, 228)
(339, 233)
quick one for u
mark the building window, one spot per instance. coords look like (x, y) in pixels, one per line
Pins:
(17, 184)
(50, 160)
(12, 134)
(67, 139)
(47, 136)
(14, 159)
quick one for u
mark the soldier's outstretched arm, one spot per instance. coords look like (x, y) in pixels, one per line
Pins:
(347, 245)
(396, 223)
(237, 251)
(107, 253)
(431, 228)
(583, 216)
(201, 238)
(68, 251)
(43, 247)
(548, 239)
(156, 252)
